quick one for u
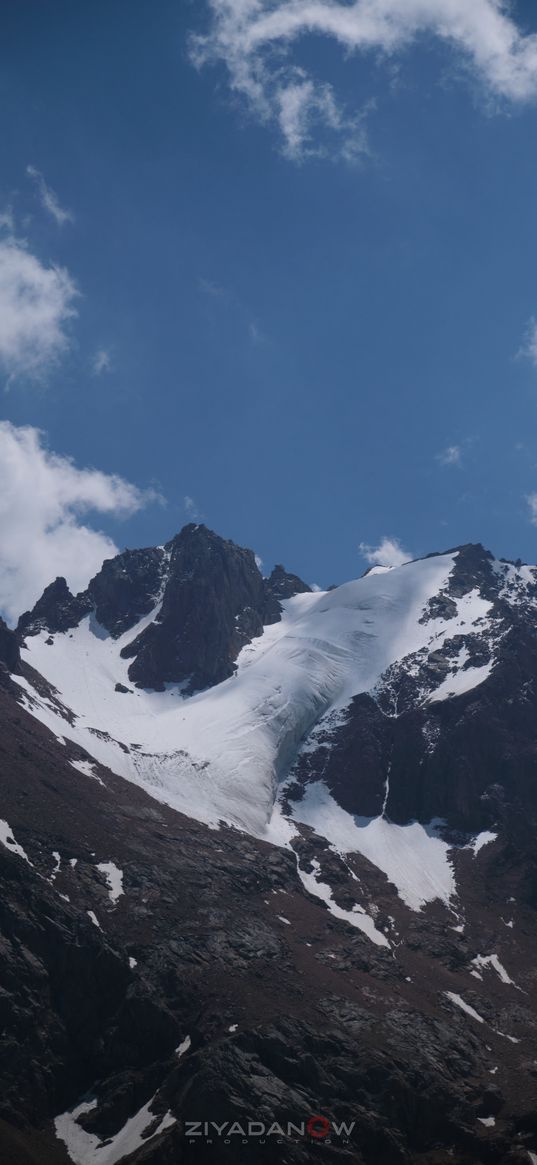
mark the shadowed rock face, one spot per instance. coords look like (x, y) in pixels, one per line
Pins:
(283, 585)
(213, 603)
(127, 588)
(9, 649)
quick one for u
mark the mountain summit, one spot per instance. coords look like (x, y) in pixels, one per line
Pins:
(210, 773)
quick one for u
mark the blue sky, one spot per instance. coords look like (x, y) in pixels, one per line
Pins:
(304, 272)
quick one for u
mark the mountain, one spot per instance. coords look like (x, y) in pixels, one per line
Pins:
(268, 858)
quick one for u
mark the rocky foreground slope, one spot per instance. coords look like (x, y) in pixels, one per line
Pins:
(268, 859)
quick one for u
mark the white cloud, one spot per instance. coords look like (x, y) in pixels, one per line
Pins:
(43, 498)
(389, 552)
(49, 200)
(452, 455)
(36, 303)
(254, 40)
(192, 509)
(102, 361)
(532, 503)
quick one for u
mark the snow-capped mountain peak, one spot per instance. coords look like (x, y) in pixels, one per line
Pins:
(404, 641)
(220, 770)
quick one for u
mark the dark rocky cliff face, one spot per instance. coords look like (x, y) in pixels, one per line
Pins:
(212, 605)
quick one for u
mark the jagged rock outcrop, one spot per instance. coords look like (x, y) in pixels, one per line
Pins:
(281, 584)
(56, 610)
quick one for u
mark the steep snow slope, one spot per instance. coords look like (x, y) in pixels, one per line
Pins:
(412, 856)
(220, 754)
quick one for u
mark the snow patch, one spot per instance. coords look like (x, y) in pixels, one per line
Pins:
(412, 856)
(7, 839)
(357, 917)
(86, 767)
(482, 839)
(459, 1001)
(183, 1046)
(93, 918)
(494, 962)
(457, 683)
(89, 1149)
(114, 878)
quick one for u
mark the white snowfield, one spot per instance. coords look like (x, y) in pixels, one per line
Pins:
(222, 755)
(412, 856)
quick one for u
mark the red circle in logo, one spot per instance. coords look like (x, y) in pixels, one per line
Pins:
(318, 1126)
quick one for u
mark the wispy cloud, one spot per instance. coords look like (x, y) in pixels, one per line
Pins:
(225, 299)
(36, 305)
(532, 506)
(192, 509)
(529, 345)
(389, 552)
(255, 40)
(48, 198)
(44, 532)
(213, 290)
(256, 335)
(102, 362)
(452, 455)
